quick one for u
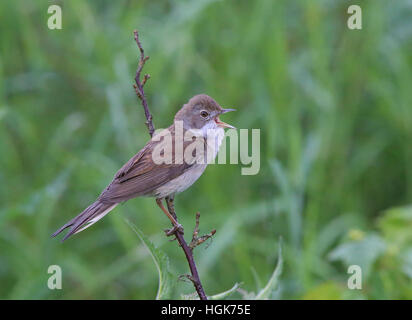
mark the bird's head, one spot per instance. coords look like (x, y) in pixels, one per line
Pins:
(202, 112)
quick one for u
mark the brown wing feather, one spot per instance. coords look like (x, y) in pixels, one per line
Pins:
(141, 176)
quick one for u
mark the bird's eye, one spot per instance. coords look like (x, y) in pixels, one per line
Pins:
(204, 114)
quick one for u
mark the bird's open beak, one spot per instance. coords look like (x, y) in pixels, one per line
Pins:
(224, 124)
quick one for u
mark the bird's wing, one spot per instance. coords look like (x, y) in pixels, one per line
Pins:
(141, 176)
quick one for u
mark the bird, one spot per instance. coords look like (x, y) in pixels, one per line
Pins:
(145, 176)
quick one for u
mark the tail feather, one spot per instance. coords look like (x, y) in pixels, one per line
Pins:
(88, 217)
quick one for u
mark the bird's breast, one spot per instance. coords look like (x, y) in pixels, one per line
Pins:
(182, 182)
(186, 179)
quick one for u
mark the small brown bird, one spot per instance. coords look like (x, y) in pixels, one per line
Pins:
(143, 176)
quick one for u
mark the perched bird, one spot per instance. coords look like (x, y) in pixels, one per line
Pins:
(142, 175)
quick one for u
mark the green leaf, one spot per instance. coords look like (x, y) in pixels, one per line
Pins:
(396, 224)
(161, 261)
(274, 279)
(325, 291)
(190, 296)
(407, 262)
(219, 296)
(226, 293)
(362, 252)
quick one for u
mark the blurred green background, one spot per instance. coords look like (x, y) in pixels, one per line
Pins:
(335, 111)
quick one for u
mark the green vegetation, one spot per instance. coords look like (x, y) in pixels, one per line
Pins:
(335, 111)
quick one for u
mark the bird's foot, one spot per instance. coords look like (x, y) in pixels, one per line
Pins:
(176, 228)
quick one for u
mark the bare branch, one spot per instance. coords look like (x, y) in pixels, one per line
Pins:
(140, 84)
(196, 240)
(188, 252)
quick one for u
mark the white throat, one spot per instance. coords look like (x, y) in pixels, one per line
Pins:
(213, 135)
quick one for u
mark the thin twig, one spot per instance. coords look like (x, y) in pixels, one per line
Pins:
(188, 250)
(196, 240)
(140, 84)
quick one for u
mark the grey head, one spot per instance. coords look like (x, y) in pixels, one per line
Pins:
(201, 110)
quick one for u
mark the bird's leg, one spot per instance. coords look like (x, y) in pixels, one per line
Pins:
(176, 226)
(171, 208)
(170, 201)
(172, 219)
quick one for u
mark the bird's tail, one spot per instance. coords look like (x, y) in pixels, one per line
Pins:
(89, 216)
